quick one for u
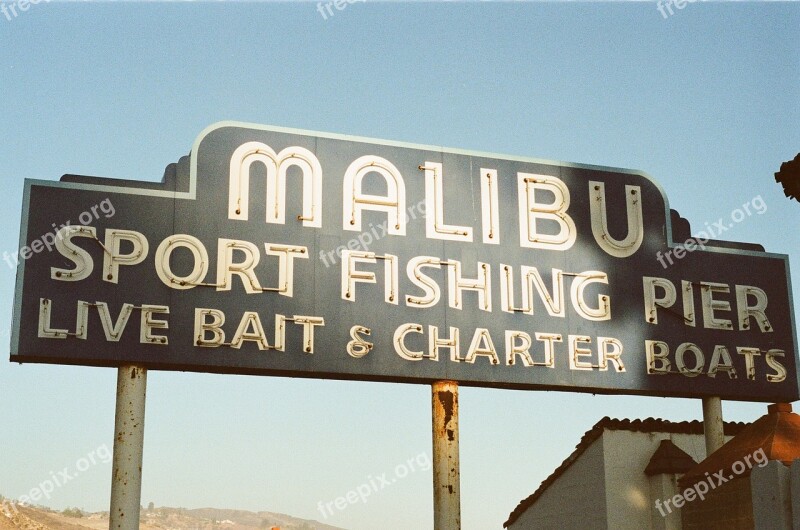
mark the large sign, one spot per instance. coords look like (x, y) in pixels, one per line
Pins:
(284, 252)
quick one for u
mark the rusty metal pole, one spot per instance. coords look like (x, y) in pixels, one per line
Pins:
(126, 479)
(713, 426)
(446, 464)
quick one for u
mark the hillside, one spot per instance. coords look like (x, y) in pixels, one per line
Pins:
(42, 518)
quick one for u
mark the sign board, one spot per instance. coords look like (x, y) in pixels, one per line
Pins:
(293, 253)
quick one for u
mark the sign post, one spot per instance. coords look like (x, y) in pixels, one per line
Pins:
(446, 462)
(126, 480)
(713, 425)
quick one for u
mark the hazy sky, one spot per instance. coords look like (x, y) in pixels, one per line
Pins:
(707, 101)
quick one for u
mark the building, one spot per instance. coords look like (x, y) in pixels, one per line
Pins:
(750, 475)
(644, 475)
(615, 475)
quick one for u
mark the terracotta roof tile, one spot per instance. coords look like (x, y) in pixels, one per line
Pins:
(777, 433)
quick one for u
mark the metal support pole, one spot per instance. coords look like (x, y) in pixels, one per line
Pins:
(713, 426)
(126, 480)
(446, 465)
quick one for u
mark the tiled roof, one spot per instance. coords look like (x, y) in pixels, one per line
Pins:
(650, 425)
(669, 459)
(777, 433)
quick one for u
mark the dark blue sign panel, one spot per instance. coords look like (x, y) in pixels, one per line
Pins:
(294, 253)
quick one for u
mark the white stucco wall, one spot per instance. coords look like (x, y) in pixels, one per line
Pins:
(629, 502)
(575, 500)
(606, 488)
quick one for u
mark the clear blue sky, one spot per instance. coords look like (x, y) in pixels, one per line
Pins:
(707, 101)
